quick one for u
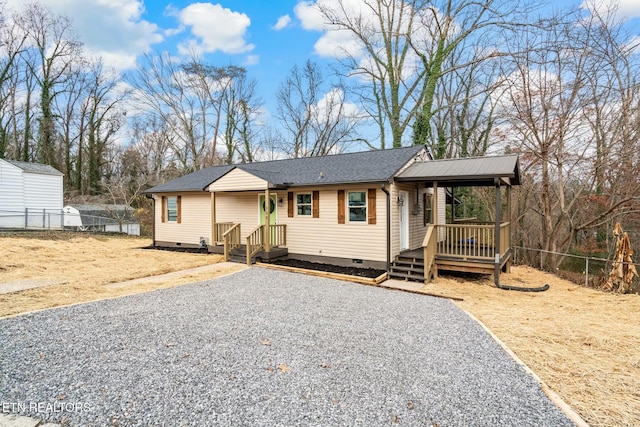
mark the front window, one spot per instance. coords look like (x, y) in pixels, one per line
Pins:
(357, 206)
(172, 209)
(304, 204)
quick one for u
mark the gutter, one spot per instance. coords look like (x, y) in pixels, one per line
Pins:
(384, 189)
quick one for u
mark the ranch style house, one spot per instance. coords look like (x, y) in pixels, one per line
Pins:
(383, 209)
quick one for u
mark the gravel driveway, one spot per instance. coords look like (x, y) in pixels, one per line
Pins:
(265, 348)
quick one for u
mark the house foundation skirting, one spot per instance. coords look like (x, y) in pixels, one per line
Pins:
(176, 245)
(342, 262)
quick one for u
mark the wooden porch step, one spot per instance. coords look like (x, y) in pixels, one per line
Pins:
(407, 269)
(409, 262)
(406, 276)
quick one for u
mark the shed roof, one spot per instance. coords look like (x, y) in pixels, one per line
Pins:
(35, 167)
(472, 171)
(366, 166)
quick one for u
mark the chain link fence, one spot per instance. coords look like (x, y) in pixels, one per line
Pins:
(52, 219)
(588, 271)
(32, 219)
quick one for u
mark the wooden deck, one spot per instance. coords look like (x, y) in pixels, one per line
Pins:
(458, 263)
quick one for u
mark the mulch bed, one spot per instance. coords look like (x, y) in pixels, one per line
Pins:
(352, 271)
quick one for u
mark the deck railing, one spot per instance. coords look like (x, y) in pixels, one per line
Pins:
(278, 234)
(231, 239)
(219, 228)
(255, 242)
(471, 241)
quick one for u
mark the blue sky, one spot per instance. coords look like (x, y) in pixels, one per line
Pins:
(268, 37)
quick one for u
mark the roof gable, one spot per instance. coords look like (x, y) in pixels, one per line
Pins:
(238, 180)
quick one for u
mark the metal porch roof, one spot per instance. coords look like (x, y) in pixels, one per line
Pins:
(472, 171)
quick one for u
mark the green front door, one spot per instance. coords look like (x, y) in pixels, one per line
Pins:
(272, 210)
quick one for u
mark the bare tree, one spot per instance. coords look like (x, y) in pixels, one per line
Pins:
(399, 49)
(12, 42)
(314, 114)
(241, 109)
(189, 98)
(558, 95)
(54, 43)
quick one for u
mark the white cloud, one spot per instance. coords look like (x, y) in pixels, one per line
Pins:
(337, 42)
(310, 17)
(625, 9)
(252, 60)
(333, 102)
(282, 23)
(112, 29)
(215, 29)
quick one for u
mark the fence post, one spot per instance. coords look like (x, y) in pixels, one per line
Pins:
(26, 217)
(44, 218)
(586, 279)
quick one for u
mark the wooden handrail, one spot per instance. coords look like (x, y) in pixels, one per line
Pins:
(231, 239)
(255, 242)
(429, 246)
(219, 228)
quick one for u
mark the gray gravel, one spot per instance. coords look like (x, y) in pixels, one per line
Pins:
(265, 348)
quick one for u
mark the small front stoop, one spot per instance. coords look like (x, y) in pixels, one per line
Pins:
(407, 268)
(239, 255)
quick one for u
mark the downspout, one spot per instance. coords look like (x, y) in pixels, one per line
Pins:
(384, 189)
(153, 219)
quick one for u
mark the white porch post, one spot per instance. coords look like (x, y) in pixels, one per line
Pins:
(267, 220)
(213, 218)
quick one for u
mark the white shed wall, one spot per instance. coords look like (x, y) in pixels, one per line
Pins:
(11, 196)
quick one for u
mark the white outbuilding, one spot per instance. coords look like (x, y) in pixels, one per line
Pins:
(105, 217)
(31, 195)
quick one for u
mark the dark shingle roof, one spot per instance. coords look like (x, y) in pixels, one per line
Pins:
(35, 167)
(366, 166)
(195, 181)
(466, 171)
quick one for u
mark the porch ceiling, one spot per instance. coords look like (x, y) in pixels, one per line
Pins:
(467, 172)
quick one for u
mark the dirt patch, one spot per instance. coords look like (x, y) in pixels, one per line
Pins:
(83, 264)
(352, 271)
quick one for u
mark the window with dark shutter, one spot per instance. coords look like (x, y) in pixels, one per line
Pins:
(340, 206)
(179, 208)
(290, 204)
(316, 204)
(371, 201)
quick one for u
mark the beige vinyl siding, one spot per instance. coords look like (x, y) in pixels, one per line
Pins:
(243, 208)
(323, 236)
(417, 230)
(195, 219)
(238, 180)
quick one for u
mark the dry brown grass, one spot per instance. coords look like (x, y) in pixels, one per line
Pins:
(84, 265)
(583, 343)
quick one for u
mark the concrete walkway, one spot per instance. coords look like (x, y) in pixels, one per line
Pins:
(10, 420)
(25, 284)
